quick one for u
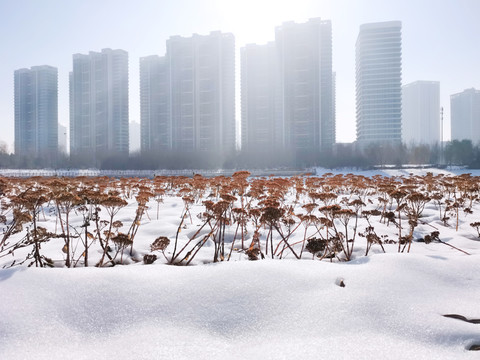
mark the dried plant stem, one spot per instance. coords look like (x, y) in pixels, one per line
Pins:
(176, 237)
(453, 247)
(189, 241)
(286, 242)
(233, 243)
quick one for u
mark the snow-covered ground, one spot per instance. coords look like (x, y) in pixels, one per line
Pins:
(392, 171)
(391, 306)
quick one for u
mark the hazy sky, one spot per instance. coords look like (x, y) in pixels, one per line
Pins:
(441, 40)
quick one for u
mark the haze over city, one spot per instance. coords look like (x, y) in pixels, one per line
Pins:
(437, 41)
(304, 182)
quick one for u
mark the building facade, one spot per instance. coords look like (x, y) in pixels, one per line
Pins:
(99, 106)
(188, 96)
(306, 84)
(134, 137)
(421, 113)
(62, 139)
(36, 111)
(378, 83)
(262, 121)
(156, 122)
(465, 115)
(202, 90)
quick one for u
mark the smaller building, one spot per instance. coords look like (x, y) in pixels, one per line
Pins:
(421, 113)
(62, 139)
(465, 115)
(134, 134)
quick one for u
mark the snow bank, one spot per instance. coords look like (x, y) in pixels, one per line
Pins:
(390, 308)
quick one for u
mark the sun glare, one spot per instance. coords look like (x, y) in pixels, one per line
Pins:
(255, 20)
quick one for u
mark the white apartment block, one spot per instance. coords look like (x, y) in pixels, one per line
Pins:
(378, 83)
(465, 115)
(421, 113)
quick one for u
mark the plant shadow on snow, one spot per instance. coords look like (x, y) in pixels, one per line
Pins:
(465, 340)
(437, 257)
(359, 261)
(8, 273)
(219, 318)
(102, 310)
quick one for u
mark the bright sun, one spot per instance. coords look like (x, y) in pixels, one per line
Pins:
(255, 20)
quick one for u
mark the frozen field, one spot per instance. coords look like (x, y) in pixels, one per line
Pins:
(387, 305)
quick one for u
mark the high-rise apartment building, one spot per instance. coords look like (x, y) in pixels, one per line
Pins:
(262, 122)
(36, 111)
(156, 123)
(378, 83)
(334, 102)
(99, 106)
(202, 90)
(306, 84)
(421, 113)
(465, 115)
(188, 96)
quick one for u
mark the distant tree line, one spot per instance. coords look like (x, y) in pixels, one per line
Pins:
(462, 153)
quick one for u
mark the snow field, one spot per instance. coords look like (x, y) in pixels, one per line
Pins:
(390, 308)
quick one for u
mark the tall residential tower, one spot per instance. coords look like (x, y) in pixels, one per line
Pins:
(156, 123)
(262, 124)
(187, 97)
(306, 84)
(99, 106)
(36, 111)
(378, 83)
(202, 90)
